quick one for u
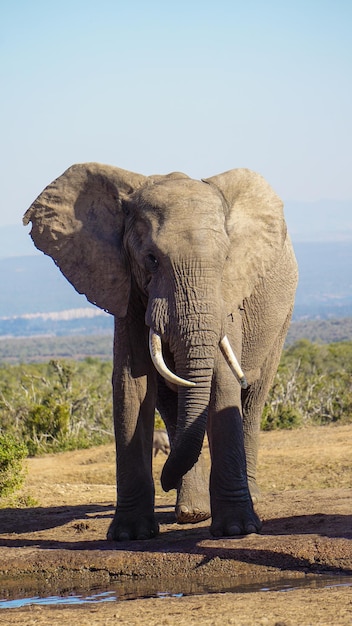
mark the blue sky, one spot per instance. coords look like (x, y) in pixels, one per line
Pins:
(196, 86)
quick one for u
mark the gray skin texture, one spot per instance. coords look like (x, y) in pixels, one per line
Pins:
(193, 260)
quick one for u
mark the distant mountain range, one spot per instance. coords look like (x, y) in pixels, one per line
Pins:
(37, 300)
(325, 280)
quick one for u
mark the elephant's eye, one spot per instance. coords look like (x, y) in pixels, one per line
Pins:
(151, 263)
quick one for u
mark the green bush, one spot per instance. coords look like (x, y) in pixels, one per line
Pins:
(63, 405)
(284, 416)
(46, 424)
(158, 422)
(12, 454)
(58, 405)
(313, 385)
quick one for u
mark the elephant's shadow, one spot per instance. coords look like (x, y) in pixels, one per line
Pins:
(17, 522)
(191, 540)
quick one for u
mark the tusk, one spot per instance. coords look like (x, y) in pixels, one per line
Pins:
(232, 362)
(159, 363)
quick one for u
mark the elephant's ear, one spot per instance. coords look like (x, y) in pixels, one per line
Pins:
(78, 221)
(255, 225)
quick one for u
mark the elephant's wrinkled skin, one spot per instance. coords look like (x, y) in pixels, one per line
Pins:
(193, 261)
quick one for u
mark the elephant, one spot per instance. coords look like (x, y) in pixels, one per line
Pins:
(161, 442)
(200, 276)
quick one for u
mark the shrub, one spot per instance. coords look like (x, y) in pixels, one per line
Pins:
(58, 405)
(284, 416)
(313, 385)
(12, 454)
(158, 422)
(63, 405)
(46, 424)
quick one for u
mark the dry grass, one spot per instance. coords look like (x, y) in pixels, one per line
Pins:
(311, 458)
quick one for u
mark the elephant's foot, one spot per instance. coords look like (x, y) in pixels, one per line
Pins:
(186, 514)
(254, 490)
(235, 519)
(193, 504)
(128, 527)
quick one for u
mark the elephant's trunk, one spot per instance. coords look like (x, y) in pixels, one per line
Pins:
(192, 405)
(191, 323)
(192, 410)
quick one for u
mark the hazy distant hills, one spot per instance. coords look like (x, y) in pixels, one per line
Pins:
(33, 284)
(325, 280)
(37, 300)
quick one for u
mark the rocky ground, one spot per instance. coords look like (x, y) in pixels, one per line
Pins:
(298, 571)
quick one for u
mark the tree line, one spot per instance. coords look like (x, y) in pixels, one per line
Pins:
(66, 404)
(313, 385)
(77, 347)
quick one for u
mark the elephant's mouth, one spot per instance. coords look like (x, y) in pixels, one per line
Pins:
(156, 353)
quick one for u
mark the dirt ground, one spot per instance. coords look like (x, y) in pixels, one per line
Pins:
(297, 571)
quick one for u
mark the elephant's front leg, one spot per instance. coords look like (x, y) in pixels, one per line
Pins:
(192, 503)
(231, 503)
(134, 393)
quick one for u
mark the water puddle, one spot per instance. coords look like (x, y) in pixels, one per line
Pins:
(176, 589)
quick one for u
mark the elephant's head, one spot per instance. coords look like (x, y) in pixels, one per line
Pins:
(189, 251)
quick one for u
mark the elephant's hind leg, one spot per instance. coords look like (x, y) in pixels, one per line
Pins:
(193, 502)
(253, 400)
